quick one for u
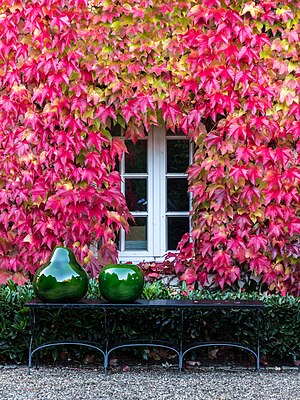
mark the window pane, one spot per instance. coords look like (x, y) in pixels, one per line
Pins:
(177, 194)
(136, 159)
(116, 130)
(136, 238)
(136, 194)
(177, 227)
(177, 155)
(117, 166)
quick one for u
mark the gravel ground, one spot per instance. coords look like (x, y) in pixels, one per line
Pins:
(47, 383)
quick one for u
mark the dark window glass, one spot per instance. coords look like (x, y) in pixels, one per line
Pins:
(136, 158)
(117, 167)
(177, 194)
(177, 227)
(177, 155)
(136, 238)
(116, 130)
(136, 194)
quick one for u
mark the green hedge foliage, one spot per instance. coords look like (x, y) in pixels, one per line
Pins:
(280, 323)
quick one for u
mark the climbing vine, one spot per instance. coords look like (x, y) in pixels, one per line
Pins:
(224, 72)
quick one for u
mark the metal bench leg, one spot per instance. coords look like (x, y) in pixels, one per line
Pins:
(32, 328)
(258, 342)
(180, 356)
(29, 356)
(106, 333)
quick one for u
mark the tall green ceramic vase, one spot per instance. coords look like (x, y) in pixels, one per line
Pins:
(62, 279)
(121, 283)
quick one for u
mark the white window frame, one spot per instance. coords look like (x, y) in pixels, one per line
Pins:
(156, 198)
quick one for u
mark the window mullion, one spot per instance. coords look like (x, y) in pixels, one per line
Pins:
(151, 197)
(159, 218)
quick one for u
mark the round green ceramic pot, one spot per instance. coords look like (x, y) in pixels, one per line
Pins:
(121, 283)
(62, 279)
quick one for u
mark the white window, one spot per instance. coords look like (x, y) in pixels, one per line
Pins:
(154, 182)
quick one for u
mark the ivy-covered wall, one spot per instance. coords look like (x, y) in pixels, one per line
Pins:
(224, 72)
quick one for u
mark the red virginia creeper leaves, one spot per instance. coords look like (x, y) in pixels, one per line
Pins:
(69, 70)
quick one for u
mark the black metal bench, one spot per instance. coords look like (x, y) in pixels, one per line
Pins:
(180, 305)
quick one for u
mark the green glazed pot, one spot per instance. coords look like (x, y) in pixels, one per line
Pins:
(121, 283)
(62, 279)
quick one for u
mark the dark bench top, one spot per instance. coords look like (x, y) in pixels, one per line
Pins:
(175, 304)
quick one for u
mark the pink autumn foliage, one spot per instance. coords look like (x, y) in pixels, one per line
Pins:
(224, 72)
(57, 184)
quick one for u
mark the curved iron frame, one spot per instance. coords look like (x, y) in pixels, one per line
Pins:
(180, 350)
(222, 344)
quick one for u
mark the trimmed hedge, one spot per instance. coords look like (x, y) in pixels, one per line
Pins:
(280, 322)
